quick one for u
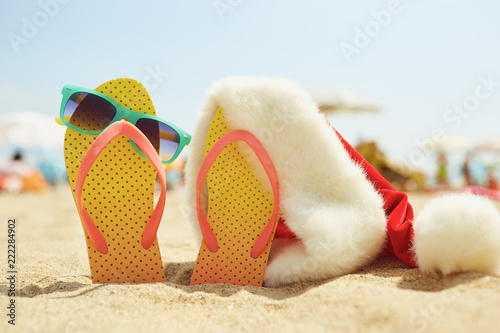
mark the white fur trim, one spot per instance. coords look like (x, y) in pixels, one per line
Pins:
(325, 198)
(458, 233)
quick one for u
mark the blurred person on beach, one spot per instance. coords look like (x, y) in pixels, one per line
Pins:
(442, 171)
(492, 181)
(468, 180)
(17, 176)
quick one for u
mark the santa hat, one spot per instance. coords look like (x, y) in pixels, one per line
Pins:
(338, 213)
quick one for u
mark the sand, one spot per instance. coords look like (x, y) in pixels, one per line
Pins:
(55, 294)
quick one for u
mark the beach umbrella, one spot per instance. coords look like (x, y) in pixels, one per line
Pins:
(451, 143)
(489, 145)
(332, 100)
(30, 130)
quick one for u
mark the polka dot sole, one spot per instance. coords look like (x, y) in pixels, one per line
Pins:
(119, 196)
(238, 210)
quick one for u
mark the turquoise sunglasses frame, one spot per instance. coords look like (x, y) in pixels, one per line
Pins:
(121, 113)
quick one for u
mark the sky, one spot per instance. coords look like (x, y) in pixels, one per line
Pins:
(433, 67)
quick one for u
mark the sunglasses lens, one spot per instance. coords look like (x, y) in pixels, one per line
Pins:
(163, 137)
(89, 112)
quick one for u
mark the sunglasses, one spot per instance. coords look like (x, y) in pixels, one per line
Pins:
(90, 112)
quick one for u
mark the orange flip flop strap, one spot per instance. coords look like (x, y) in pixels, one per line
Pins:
(120, 128)
(208, 235)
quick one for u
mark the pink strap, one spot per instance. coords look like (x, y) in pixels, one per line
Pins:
(208, 235)
(121, 127)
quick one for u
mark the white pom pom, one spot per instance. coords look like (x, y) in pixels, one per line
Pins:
(458, 233)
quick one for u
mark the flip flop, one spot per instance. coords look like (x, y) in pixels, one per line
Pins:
(118, 195)
(242, 213)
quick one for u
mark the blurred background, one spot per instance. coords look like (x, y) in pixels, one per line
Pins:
(415, 85)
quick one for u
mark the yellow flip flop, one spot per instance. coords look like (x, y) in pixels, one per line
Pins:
(242, 214)
(118, 194)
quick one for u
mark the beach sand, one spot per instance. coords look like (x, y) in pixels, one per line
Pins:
(55, 294)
